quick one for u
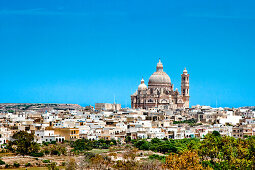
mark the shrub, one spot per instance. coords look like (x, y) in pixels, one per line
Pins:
(53, 166)
(46, 152)
(16, 164)
(40, 154)
(2, 162)
(27, 164)
(155, 156)
(46, 161)
(55, 152)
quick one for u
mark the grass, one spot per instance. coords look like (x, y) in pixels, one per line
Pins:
(98, 151)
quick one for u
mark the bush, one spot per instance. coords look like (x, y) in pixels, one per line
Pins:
(53, 166)
(40, 154)
(55, 152)
(46, 161)
(2, 162)
(28, 164)
(16, 164)
(7, 165)
(155, 156)
(46, 152)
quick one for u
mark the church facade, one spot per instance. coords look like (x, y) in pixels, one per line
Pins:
(160, 92)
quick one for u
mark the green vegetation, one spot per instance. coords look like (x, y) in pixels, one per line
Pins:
(158, 157)
(167, 146)
(16, 164)
(53, 166)
(2, 162)
(46, 161)
(23, 143)
(213, 151)
(28, 164)
(7, 165)
(227, 152)
(39, 154)
(85, 144)
(99, 151)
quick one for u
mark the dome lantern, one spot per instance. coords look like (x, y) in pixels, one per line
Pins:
(159, 77)
(159, 66)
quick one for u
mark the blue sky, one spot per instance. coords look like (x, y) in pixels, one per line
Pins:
(87, 51)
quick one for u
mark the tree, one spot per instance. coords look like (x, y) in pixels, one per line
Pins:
(186, 160)
(216, 133)
(128, 139)
(23, 143)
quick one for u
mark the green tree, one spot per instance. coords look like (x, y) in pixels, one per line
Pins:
(23, 143)
(216, 133)
(128, 139)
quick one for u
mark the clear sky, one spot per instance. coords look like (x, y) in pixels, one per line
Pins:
(87, 51)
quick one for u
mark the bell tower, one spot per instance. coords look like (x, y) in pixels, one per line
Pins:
(185, 88)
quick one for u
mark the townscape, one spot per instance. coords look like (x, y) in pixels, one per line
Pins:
(58, 123)
(159, 131)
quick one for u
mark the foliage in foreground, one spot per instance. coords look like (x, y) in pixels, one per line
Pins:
(167, 146)
(214, 151)
(23, 143)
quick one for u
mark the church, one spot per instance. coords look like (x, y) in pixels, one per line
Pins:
(160, 92)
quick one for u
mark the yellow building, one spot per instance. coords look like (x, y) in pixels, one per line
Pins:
(68, 133)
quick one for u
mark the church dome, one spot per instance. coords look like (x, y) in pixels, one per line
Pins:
(142, 86)
(159, 77)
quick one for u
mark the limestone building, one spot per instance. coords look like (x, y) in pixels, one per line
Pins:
(160, 92)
